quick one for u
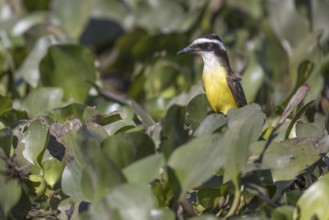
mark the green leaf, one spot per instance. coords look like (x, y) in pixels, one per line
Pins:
(12, 117)
(245, 126)
(314, 202)
(52, 171)
(69, 67)
(283, 213)
(320, 17)
(173, 131)
(210, 124)
(99, 173)
(6, 104)
(69, 112)
(71, 181)
(6, 139)
(73, 15)
(196, 161)
(10, 189)
(35, 140)
(135, 171)
(127, 201)
(125, 148)
(197, 110)
(68, 209)
(41, 100)
(284, 18)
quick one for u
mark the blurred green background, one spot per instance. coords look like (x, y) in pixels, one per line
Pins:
(99, 117)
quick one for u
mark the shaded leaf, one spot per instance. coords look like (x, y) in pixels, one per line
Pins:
(6, 104)
(173, 131)
(6, 138)
(210, 124)
(197, 110)
(196, 161)
(125, 148)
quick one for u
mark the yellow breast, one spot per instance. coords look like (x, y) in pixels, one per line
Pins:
(217, 90)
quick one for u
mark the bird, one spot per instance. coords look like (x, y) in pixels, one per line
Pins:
(221, 85)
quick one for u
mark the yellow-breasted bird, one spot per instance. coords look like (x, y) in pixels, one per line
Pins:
(222, 86)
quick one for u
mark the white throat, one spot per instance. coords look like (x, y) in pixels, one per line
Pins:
(210, 60)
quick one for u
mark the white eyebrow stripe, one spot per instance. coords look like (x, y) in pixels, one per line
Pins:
(205, 40)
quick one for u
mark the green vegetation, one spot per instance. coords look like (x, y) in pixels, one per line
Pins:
(99, 119)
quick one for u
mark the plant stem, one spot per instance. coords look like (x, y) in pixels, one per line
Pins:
(235, 204)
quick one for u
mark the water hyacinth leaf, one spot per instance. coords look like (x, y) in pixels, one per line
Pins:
(73, 15)
(127, 201)
(99, 173)
(13, 116)
(203, 155)
(41, 100)
(52, 171)
(314, 202)
(6, 104)
(10, 193)
(245, 126)
(71, 181)
(68, 208)
(69, 112)
(284, 18)
(135, 172)
(126, 148)
(35, 140)
(73, 63)
(6, 138)
(283, 213)
(90, 114)
(162, 214)
(197, 110)
(253, 78)
(210, 124)
(173, 131)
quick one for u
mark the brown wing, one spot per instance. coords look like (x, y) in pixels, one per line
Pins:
(236, 90)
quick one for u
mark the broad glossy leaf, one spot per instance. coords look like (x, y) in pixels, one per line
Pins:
(196, 161)
(71, 181)
(126, 148)
(283, 213)
(320, 17)
(68, 208)
(13, 117)
(253, 78)
(245, 126)
(73, 15)
(52, 171)
(197, 110)
(6, 104)
(70, 67)
(135, 172)
(288, 158)
(99, 173)
(210, 124)
(284, 18)
(10, 189)
(314, 202)
(173, 131)
(41, 100)
(127, 201)
(6, 139)
(35, 140)
(71, 111)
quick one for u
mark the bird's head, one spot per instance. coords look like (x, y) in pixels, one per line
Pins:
(210, 47)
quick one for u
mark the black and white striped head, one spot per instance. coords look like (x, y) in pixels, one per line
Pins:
(210, 47)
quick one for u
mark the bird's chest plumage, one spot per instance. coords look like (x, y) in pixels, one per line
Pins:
(217, 90)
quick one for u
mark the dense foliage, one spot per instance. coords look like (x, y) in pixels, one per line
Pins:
(100, 119)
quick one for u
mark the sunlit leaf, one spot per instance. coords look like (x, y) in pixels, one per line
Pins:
(70, 67)
(314, 201)
(41, 100)
(35, 140)
(135, 171)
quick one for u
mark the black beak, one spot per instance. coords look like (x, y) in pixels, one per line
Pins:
(186, 50)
